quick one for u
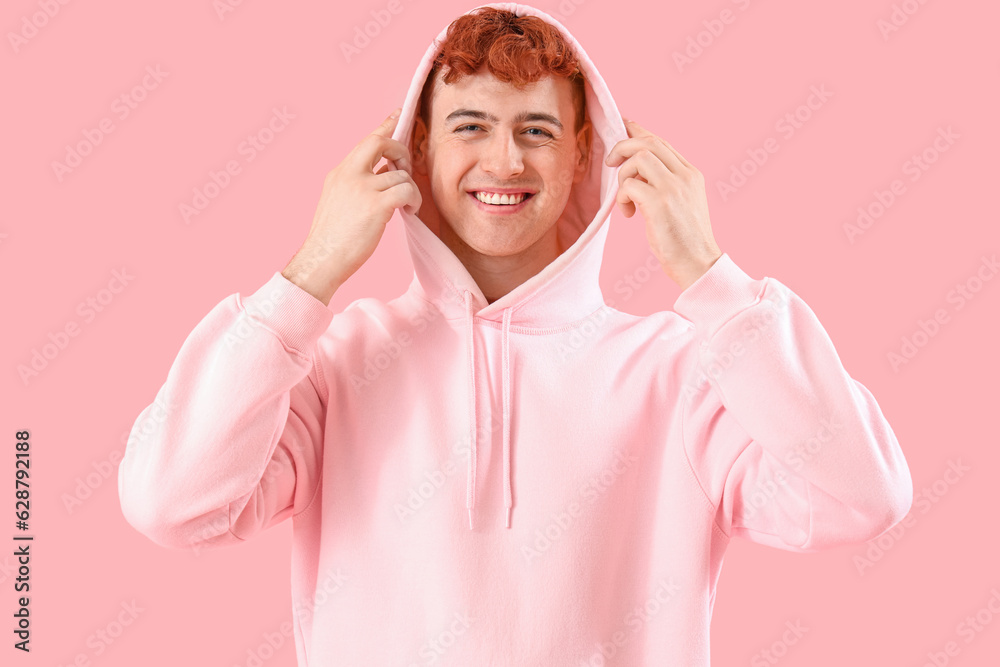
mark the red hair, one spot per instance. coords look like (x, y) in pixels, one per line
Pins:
(515, 49)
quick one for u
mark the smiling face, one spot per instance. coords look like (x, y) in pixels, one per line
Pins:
(486, 136)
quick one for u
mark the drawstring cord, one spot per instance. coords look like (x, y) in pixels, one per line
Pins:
(470, 496)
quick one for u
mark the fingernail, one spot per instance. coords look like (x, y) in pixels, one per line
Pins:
(395, 114)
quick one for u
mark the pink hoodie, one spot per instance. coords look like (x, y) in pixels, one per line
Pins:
(543, 480)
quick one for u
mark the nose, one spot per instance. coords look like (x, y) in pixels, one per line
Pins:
(502, 157)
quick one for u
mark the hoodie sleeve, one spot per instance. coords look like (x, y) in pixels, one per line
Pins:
(233, 442)
(792, 451)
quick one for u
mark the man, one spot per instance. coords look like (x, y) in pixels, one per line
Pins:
(498, 467)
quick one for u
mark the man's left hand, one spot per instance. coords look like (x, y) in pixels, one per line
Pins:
(670, 194)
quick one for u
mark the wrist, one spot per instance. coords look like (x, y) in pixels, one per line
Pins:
(688, 273)
(315, 274)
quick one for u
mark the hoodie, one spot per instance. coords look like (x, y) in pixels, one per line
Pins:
(541, 480)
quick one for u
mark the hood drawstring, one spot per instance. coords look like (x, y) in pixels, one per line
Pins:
(470, 485)
(507, 497)
(470, 496)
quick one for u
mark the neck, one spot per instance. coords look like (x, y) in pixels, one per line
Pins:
(499, 275)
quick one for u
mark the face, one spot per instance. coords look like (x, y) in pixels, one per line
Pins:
(486, 136)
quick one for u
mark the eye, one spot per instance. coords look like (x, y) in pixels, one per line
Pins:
(462, 128)
(544, 133)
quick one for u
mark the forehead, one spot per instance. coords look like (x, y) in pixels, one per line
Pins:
(483, 91)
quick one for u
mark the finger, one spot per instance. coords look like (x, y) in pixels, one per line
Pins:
(390, 178)
(387, 147)
(402, 162)
(387, 126)
(625, 202)
(405, 195)
(636, 130)
(631, 193)
(626, 148)
(376, 147)
(646, 167)
(673, 150)
(670, 155)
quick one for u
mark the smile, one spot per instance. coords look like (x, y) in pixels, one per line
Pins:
(496, 203)
(501, 199)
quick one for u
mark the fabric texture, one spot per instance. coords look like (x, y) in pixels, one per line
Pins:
(542, 480)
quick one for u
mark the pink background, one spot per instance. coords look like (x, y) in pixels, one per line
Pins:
(61, 241)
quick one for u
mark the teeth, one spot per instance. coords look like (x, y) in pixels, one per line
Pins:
(495, 198)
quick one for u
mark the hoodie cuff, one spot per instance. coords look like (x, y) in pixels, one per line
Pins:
(718, 294)
(293, 314)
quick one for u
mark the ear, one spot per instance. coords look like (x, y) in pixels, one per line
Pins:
(584, 141)
(418, 146)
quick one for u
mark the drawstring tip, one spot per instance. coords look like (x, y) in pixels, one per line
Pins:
(508, 517)
(470, 518)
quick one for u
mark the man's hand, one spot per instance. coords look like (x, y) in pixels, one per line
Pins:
(670, 194)
(353, 210)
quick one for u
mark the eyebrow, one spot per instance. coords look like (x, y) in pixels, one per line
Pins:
(522, 117)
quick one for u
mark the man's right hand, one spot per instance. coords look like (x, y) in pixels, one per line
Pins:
(353, 210)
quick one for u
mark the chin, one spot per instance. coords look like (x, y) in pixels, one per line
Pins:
(496, 248)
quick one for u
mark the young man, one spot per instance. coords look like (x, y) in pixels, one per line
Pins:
(497, 467)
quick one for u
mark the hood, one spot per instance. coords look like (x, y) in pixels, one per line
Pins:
(565, 291)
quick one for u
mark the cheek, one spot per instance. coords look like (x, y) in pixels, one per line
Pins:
(560, 180)
(443, 177)
(559, 168)
(448, 168)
